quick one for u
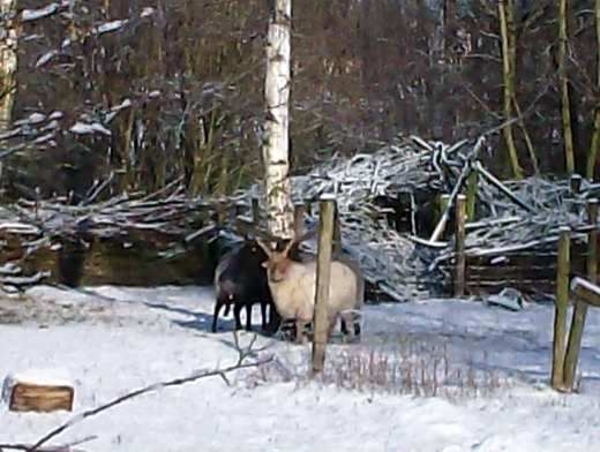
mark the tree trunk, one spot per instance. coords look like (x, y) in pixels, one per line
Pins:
(564, 86)
(8, 63)
(507, 30)
(280, 213)
(593, 155)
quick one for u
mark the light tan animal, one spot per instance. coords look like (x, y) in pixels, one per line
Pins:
(293, 288)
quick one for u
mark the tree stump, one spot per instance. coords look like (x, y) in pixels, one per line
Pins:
(38, 391)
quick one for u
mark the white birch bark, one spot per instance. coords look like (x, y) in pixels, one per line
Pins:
(276, 139)
(8, 60)
(8, 63)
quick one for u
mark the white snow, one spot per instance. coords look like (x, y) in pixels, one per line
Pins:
(112, 340)
(29, 15)
(585, 285)
(108, 27)
(41, 376)
(147, 11)
(81, 128)
(33, 118)
(45, 58)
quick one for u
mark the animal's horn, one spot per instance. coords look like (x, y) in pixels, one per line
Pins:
(288, 247)
(264, 246)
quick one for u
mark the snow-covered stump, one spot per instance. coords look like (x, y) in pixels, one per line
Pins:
(38, 391)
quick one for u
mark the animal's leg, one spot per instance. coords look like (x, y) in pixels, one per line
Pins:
(237, 307)
(357, 327)
(330, 327)
(218, 306)
(343, 326)
(348, 319)
(274, 319)
(300, 325)
(263, 313)
(248, 316)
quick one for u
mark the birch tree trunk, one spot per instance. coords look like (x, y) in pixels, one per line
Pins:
(8, 63)
(280, 215)
(564, 85)
(593, 155)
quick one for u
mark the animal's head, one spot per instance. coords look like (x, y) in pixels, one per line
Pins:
(251, 254)
(278, 262)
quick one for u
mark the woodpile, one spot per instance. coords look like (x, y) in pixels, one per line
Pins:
(169, 238)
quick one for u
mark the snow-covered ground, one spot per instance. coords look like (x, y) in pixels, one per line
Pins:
(427, 376)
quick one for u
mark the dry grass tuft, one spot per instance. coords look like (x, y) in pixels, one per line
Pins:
(408, 366)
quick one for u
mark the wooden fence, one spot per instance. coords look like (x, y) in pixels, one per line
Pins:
(567, 341)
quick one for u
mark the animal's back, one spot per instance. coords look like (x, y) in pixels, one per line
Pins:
(343, 287)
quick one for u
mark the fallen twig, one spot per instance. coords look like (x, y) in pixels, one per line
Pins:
(243, 354)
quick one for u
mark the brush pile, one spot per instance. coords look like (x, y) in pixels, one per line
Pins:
(509, 215)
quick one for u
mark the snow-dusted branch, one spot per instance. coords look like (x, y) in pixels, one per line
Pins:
(244, 353)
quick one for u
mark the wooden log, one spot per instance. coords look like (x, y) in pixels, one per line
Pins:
(39, 394)
(560, 309)
(500, 186)
(460, 265)
(580, 310)
(321, 322)
(586, 291)
(443, 201)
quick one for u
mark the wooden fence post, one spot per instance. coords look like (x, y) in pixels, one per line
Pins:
(255, 215)
(337, 231)
(460, 265)
(321, 322)
(471, 194)
(221, 213)
(299, 210)
(560, 308)
(580, 310)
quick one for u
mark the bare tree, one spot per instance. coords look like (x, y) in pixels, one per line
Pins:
(8, 63)
(276, 138)
(564, 85)
(592, 156)
(509, 60)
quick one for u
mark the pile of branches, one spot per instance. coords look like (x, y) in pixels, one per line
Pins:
(511, 215)
(169, 214)
(395, 263)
